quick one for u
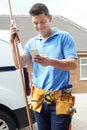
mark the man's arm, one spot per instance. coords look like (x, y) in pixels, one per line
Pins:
(14, 38)
(63, 64)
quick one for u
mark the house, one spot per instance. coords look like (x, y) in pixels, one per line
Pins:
(78, 76)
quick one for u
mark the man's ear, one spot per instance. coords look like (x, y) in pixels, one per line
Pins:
(50, 18)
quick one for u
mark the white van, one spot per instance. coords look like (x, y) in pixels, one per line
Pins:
(12, 105)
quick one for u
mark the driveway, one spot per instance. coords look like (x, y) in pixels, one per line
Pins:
(79, 121)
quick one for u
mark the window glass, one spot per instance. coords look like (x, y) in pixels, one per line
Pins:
(83, 68)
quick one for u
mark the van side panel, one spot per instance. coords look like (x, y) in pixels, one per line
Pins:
(22, 117)
(11, 93)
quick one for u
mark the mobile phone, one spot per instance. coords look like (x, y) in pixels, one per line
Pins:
(34, 52)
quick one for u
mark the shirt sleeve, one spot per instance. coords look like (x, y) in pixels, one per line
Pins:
(69, 48)
(27, 49)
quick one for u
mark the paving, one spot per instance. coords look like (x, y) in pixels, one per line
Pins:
(79, 121)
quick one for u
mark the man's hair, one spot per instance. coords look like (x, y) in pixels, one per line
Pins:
(38, 9)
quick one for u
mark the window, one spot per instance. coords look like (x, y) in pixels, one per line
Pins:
(83, 68)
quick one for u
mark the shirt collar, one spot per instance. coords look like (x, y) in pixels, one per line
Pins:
(55, 32)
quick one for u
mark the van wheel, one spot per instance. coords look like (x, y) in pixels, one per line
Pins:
(6, 121)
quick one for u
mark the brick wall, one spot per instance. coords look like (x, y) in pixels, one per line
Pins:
(79, 86)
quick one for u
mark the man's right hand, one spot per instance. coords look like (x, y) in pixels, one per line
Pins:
(14, 37)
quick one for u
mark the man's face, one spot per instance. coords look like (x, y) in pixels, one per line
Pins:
(41, 23)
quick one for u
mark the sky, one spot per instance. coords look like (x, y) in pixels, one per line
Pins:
(74, 10)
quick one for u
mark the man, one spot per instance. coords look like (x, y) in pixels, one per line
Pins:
(51, 70)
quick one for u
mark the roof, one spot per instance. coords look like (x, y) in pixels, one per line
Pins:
(27, 31)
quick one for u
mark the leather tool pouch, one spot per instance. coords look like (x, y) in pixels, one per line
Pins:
(37, 99)
(64, 104)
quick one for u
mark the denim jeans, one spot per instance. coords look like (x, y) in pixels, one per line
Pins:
(48, 120)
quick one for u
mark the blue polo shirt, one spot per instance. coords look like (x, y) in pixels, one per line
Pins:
(59, 45)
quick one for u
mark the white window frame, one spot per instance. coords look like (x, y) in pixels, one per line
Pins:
(82, 78)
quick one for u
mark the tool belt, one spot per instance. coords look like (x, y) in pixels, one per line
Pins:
(64, 101)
